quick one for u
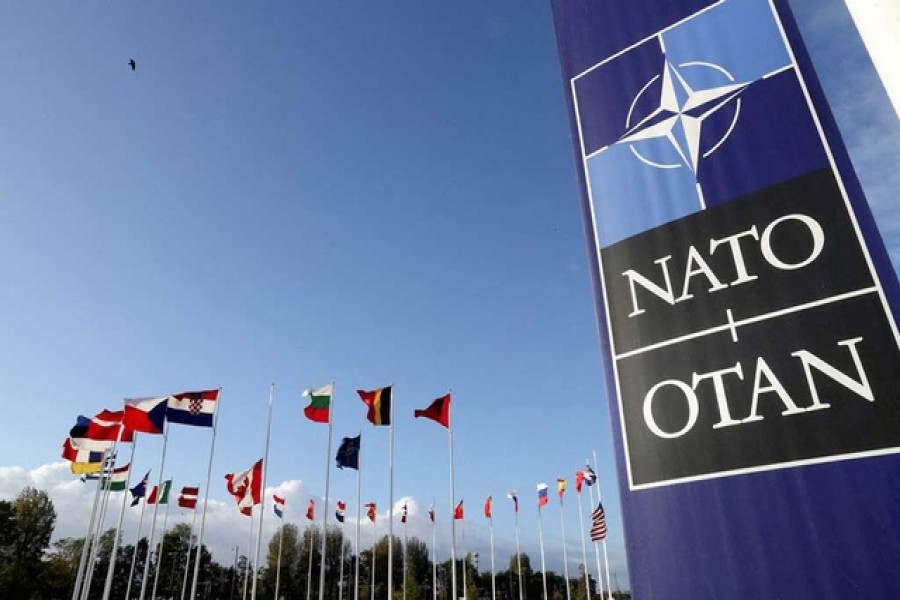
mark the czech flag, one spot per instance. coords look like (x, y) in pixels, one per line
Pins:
(146, 415)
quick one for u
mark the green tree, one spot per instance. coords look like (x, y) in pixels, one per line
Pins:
(25, 529)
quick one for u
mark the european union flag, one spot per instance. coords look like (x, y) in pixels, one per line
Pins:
(348, 453)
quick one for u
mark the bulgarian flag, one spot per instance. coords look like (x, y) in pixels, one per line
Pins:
(117, 480)
(319, 409)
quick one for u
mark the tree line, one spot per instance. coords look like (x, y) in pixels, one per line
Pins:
(31, 568)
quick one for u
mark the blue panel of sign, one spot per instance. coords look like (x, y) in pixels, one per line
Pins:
(748, 307)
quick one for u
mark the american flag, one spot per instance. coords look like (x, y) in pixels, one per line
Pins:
(598, 524)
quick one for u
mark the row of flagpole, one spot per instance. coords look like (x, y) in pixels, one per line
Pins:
(108, 470)
(438, 411)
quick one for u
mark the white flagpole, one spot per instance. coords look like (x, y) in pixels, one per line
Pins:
(493, 570)
(390, 577)
(433, 557)
(587, 578)
(605, 555)
(341, 573)
(312, 535)
(543, 564)
(326, 506)
(464, 560)
(159, 480)
(82, 563)
(95, 534)
(562, 526)
(107, 587)
(162, 539)
(278, 565)
(190, 547)
(372, 576)
(600, 583)
(95, 545)
(134, 554)
(452, 511)
(212, 449)
(246, 562)
(405, 544)
(518, 552)
(358, 500)
(262, 505)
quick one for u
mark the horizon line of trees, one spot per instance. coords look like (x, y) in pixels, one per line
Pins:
(31, 568)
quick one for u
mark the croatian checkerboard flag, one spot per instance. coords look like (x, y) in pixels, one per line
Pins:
(193, 408)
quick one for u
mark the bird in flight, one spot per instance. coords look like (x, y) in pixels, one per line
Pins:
(132, 64)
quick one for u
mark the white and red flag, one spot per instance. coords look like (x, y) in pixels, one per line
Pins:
(246, 487)
(188, 497)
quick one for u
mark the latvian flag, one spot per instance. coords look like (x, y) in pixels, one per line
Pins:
(404, 514)
(278, 506)
(193, 408)
(339, 512)
(188, 497)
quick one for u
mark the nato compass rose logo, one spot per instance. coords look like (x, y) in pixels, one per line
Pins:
(695, 115)
(679, 117)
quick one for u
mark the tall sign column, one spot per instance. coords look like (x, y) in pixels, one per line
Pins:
(746, 304)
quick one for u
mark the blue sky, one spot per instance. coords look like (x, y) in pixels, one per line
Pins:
(301, 192)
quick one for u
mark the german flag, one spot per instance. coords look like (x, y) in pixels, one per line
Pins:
(379, 403)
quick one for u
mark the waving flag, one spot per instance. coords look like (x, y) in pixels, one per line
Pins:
(192, 408)
(115, 481)
(311, 510)
(278, 506)
(146, 415)
(87, 468)
(458, 511)
(579, 479)
(512, 496)
(339, 511)
(80, 440)
(246, 487)
(319, 409)
(106, 425)
(561, 487)
(488, 506)
(542, 494)
(348, 453)
(431, 513)
(438, 411)
(188, 497)
(379, 403)
(404, 514)
(598, 524)
(589, 476)
(371, 512)
(73, 454)
(140, 490)
(156, 498)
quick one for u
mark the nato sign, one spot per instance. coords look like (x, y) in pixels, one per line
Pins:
(745, 304)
